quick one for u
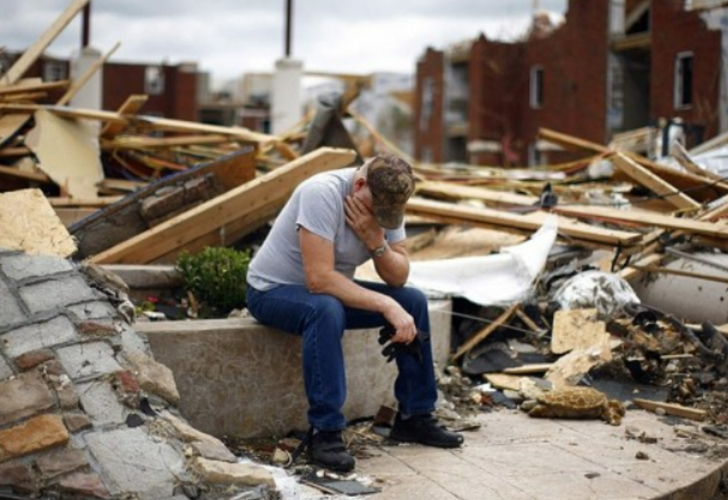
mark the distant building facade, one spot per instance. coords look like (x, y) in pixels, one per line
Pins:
(173, 90)
(612, 66)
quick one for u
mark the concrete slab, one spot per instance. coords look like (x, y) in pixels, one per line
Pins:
(89, 360)
(237, 377)
(56, 293)
(39, 335)
(516, 457)
(137, 463)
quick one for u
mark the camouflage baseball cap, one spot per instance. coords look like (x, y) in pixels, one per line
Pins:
(391, 183)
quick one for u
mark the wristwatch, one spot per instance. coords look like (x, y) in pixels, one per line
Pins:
(379, 251)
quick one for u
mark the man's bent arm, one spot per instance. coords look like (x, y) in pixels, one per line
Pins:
(393, 265)
(322, 278)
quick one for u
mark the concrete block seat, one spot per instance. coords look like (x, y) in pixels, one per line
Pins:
(237, 377)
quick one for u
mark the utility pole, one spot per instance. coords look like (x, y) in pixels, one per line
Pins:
(289, 22)
(86, 28)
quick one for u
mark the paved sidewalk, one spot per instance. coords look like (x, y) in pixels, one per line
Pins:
(515, 457)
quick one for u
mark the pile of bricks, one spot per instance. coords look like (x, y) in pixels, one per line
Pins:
(86, 412)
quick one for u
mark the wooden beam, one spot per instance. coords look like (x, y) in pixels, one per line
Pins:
(20, 88)
(224, 209)
(530, 222)
(529, 369)
(10, 124)
(131, 106)
(683, 158)
(671, 409)
(87, 114)
(485, 332)
(34, 51)
(142, 142)
(678, 272)
(570, 142)
(157, 123)
(84, 202)
(654, 183)
(22, 174)
(78, 84)
(643, 218)
(455, 191)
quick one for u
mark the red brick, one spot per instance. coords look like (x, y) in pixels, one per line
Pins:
(92, 328)
(33, 358)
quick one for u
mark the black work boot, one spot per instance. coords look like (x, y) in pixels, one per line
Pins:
(424, 429)
(327, 450)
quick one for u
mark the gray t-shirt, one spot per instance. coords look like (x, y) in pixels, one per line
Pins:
(317, 204)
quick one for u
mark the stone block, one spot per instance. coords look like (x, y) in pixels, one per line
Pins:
(59, 462)
(153, 377)
(133, 341)
(33, 358)
(76, 422)
(23, 396)
(96, 329)
(22, 266)
(92, 310)
(65, 390)
(38, 336)
(101, 403)
(85, 361)
(5, 370)
(245, 474)
(237, 377)
(207, 446)
(50, 294)
(37, 434)
(18, 475)
(86, 484)
(10, 311)
(136, 463)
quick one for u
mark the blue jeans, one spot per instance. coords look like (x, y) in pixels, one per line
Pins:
(321, 321)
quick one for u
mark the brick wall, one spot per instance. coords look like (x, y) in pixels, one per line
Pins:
(178, 100)
(675, 31)
(429, 130)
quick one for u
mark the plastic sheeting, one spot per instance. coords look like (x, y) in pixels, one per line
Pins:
(608, 293)
(493, 279)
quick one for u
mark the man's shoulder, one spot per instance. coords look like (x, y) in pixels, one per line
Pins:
(334, 182)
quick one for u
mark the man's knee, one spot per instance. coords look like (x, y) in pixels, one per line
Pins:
(412, 298)
(328, 308)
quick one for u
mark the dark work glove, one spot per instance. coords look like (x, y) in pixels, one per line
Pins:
(392, 349)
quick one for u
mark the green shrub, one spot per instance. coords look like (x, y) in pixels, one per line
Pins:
(216, 277)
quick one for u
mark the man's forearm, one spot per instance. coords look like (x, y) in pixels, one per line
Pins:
(349, 293)
(392, 266)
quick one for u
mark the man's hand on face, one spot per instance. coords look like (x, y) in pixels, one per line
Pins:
(361, 220)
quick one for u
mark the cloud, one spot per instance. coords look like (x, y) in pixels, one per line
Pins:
(230, 37)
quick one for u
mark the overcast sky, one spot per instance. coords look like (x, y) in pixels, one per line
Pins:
(230, 37)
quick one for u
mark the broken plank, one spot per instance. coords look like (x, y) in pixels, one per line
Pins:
(221, 210)
(11, 124)
(570, 142)
(140, 142)
(22, 174)
(131, 106)
(672, 409)
(683, 158)
(21, 88)
(654, 183)
(88, 114)
(576, 329)
(455, 191)
(485, 332)
(529, 369)
(86, 76)
(644, 218)
(33, 52)
(244, 134)
(70, 216)
(68, 152)
(531, 222)
(84, 202)
(30, 224)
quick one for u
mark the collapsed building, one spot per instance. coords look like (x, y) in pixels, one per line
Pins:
(611, 66)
